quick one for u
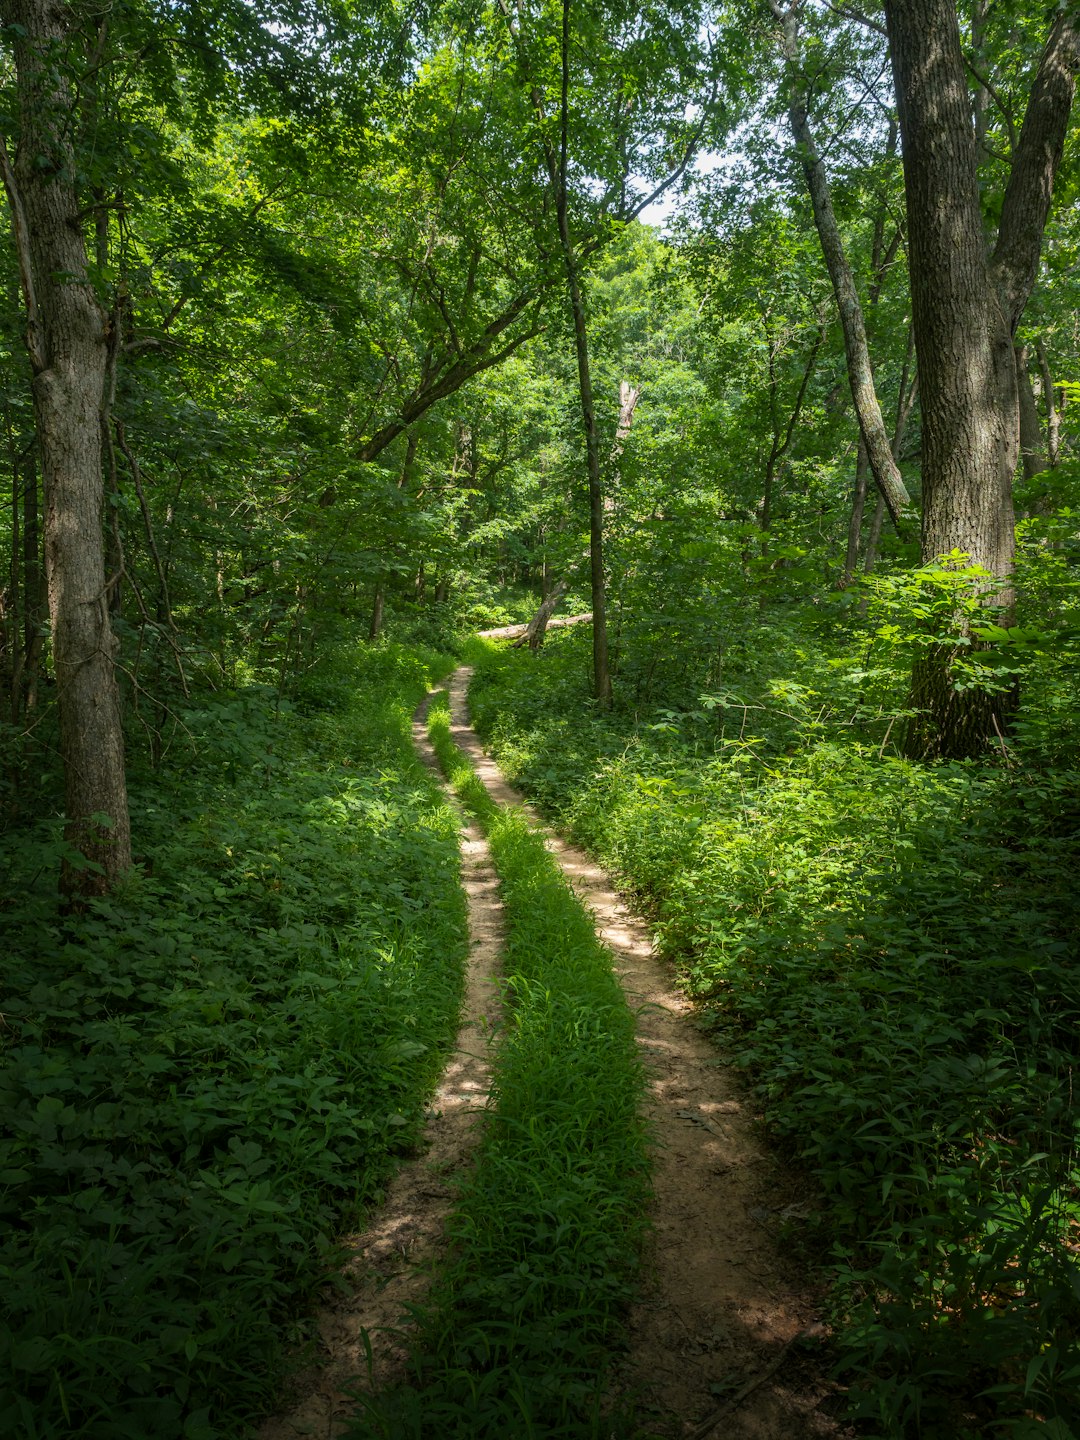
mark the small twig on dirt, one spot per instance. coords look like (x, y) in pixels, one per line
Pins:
(711, 1422)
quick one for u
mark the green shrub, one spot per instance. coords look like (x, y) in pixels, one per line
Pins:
(209, 1073)
(890, 952)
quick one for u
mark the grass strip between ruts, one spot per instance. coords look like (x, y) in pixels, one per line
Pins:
(548, 1225)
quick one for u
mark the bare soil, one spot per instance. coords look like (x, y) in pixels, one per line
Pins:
(726, 1338)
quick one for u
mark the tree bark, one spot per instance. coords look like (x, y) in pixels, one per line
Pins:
(965, 310)
(68, 343)
(34, 606)
(1053, 410)
(537, 626)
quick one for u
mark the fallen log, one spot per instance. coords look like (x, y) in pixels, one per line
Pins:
(534, 631)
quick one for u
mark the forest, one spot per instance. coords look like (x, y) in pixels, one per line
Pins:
(338, 333)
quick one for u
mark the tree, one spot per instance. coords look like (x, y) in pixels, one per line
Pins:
(874, 440)
(967, 304)
(72, 345)
(615, 107)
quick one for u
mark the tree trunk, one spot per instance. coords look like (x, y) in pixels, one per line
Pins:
(601, 672)
(858, 505)
(68, 342)
(537, 626)
(1053, 409)
(860, 374)
(781, 443)
(1031, 438)
(12, 606)
(33, 588)
(965, 311)
(378, 599)
(378, 604)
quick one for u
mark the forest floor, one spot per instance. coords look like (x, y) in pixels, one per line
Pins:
(726, 1337)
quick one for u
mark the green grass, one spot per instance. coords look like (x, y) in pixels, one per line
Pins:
(548, 1226)
(208, 1074)
(890, 952)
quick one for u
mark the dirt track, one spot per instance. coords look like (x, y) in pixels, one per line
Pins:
(724, 1339)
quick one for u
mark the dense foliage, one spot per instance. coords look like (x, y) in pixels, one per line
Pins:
(341, 271)
(889, 951)
(208, 1074)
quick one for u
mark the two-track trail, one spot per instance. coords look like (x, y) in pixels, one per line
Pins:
(722, 1339)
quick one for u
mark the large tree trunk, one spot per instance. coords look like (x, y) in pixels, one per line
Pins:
(965, 311)
(68, 341)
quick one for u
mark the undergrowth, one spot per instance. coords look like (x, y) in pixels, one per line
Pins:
(890, 952)
(210, 1072)
(548, 1226)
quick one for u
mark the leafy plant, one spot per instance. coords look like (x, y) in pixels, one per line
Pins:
(210, 1072)
(889, 952)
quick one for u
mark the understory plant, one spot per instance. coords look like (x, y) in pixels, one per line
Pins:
(889, 952)
(205, 1076)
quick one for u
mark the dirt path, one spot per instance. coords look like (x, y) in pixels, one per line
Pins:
(390, 1263)
(722, 1342)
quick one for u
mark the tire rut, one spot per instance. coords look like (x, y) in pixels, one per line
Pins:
(725, 1334)
(390, 1263)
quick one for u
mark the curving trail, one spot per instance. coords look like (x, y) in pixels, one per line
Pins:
(390, 1263)
(723, 1339)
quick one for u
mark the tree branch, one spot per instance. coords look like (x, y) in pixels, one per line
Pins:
(1035, 165)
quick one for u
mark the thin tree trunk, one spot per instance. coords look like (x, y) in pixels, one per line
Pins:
(378, 600)
(858, 505)
(378, 606)
(781, 443)
(12, 651)
(1031, 437)
(860, 373)
(601, 673)
(1053, 410)
(33, 587)
(905, 403)
(68, 343)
